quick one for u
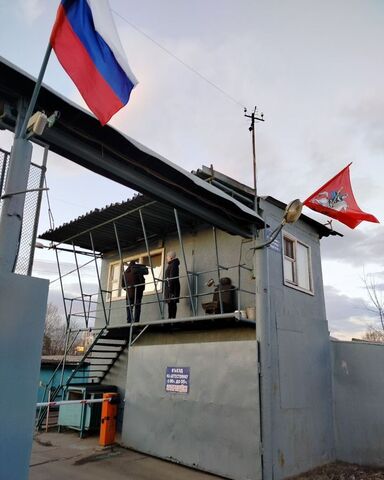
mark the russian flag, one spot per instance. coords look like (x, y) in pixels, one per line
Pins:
(87, 45)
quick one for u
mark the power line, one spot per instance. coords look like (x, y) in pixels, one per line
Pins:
(193, 70)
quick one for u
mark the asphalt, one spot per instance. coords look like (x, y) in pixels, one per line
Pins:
(64, 456)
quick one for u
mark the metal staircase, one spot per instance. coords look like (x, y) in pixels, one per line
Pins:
(96, 363)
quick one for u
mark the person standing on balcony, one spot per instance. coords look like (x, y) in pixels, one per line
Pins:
(133, 282)
(172, 284)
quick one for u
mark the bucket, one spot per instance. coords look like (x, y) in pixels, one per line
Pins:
(251, 313)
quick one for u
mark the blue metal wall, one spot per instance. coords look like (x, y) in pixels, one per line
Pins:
(46, 372)
(301, 403)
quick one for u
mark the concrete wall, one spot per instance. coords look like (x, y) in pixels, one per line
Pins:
(358, 377)
(300, 358)
(214, 427)
(23, 303)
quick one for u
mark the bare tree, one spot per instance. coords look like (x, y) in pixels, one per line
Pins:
(55, 333)
(375, 295)
(373, 335)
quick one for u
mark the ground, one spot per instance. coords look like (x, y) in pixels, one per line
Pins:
(63, 456)
(342, 471)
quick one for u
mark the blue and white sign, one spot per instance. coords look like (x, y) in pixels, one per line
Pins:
(276, 244)
(177, 379)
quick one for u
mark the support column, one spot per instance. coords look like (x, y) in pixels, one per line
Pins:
(263, 335)
(13, 203)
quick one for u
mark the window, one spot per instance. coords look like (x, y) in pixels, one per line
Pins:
(297, 264)
(115, 274)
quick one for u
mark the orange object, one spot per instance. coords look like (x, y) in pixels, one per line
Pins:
(108, 419)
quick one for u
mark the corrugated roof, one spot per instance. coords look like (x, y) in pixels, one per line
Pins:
(158, 218)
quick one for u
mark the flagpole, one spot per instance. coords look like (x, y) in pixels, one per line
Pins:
(36, 91)
(11, 218)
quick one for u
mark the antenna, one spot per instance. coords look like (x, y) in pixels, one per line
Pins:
(255, 117)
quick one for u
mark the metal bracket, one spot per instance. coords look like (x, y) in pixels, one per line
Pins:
(7, 195)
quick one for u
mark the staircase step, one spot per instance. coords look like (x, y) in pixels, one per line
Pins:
(103, 358)
(98, 370)
(94, 364)
(116, 350)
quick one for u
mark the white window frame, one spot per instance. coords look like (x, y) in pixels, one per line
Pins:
(139, 258)
(294, 284)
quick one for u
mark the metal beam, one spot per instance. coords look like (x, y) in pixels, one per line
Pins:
(120, 170)
(79, 137)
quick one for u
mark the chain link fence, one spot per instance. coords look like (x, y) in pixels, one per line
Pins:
(31, 212)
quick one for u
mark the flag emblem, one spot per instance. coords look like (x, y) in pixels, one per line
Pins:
(333, 199)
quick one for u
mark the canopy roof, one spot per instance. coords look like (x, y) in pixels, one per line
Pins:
(78, 136)
(122, 221)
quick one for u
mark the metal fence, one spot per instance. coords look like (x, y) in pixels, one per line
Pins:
(31, 211)
(4, 161)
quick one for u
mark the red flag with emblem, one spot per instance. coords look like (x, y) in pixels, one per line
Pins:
(335, 199)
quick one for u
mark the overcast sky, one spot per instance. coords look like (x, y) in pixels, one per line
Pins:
(314, 68)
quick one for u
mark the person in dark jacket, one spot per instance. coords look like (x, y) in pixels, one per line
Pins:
(133, 282)
(172, 284)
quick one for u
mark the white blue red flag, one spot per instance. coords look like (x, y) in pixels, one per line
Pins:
(86, 42)
(335, 199)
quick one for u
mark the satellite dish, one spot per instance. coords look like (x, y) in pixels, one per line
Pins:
(293, 211)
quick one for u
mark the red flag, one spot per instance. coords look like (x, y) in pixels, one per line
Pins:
(335, 199)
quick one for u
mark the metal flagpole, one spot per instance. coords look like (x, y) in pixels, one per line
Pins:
(17, 181)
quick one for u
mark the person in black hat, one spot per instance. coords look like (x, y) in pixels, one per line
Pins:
(133, 282)
(172, 284)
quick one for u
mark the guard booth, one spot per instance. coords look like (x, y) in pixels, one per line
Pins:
(190, 385)
(213, 226)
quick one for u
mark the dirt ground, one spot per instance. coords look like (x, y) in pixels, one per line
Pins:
(342, 471)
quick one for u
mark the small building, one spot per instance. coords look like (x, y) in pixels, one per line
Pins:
(54, 373)
(191, 385)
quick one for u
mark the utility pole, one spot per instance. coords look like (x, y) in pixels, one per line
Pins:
(260, 268)
(255, 117)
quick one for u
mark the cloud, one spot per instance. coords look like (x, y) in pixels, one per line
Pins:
(31, 9)
(356, 248)
(347, 316)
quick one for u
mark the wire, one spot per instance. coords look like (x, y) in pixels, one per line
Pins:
(193, 70)
(50, 214)
(71, 271)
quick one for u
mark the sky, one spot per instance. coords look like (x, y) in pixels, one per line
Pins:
(313, 68)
